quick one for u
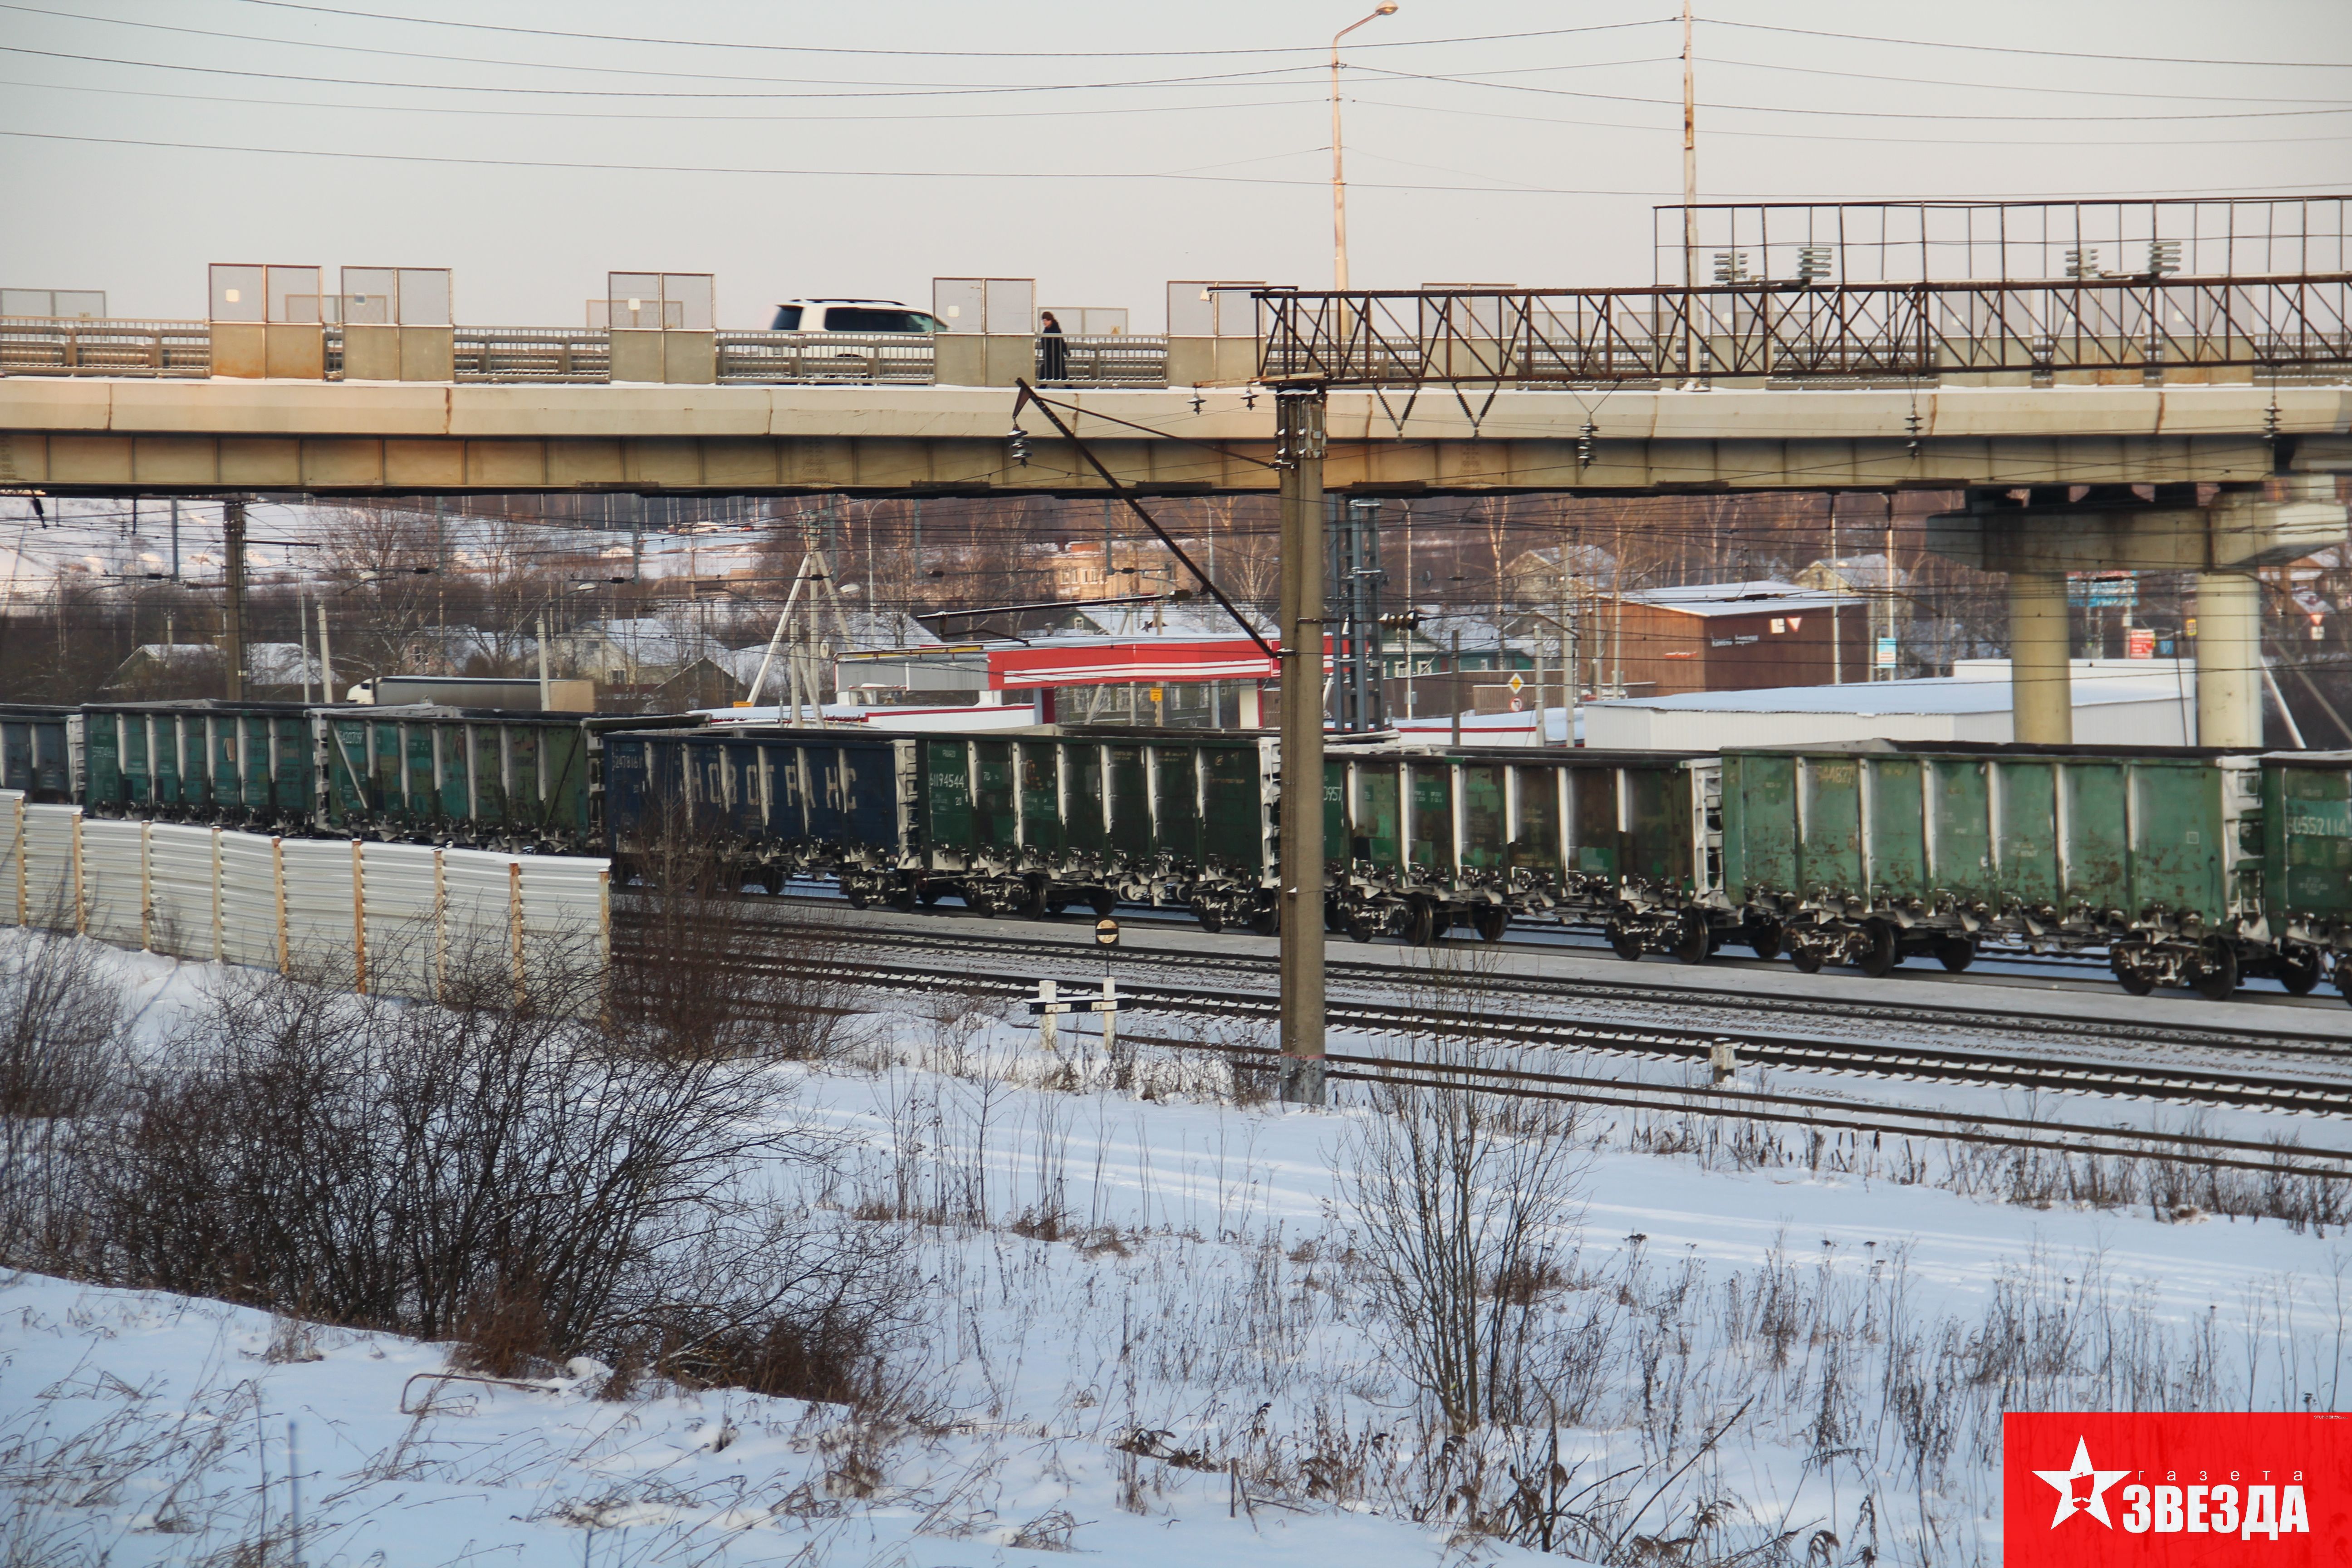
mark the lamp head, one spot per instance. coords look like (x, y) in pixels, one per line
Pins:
(1387, 8)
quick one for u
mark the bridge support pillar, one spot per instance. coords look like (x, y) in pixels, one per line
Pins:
(2229, 660)
(2041, 678)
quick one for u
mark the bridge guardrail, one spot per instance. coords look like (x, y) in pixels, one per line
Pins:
(825, 357)
(70, 345)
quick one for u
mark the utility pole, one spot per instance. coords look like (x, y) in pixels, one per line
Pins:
(1299, 905)
(1566, 625)
(542, 661)
(1690, 206)
(175, 539)
(1890, 633)
(326, 656)
(233, 632)
(1837, 598)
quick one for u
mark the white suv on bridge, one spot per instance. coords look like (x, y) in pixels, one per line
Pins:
(852, 316)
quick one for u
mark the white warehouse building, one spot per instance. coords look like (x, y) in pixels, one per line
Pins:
(2117, 702)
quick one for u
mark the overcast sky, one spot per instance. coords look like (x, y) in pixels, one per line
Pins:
(1103, 149)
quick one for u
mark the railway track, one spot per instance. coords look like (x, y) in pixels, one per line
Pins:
(1816, 1113)
(1000, 943)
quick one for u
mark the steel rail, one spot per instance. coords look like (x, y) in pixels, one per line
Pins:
(1936, 1012)
(1984, 1068)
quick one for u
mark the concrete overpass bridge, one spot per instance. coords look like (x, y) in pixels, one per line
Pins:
(2187, 410)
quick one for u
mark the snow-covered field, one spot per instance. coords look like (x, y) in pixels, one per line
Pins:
(1143, 1332)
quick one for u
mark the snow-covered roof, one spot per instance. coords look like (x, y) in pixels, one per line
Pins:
(1195, 620)
(1933, 694)
(266, 663)
(1764, 596)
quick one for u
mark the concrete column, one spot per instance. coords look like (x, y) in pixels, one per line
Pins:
(1299, 899)
(2229, 660)
(2041, 683)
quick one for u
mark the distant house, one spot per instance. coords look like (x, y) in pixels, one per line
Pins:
(274, 671)
(704, 683)
(1728, 636)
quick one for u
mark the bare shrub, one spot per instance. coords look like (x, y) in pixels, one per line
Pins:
(693, 977)
(60, 1026)
(505, 1171)
(1455, 1197)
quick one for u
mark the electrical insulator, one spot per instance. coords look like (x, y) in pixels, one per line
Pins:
(1584, 444)
(1017, 446)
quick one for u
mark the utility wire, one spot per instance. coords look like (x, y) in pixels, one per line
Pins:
(2017, 49)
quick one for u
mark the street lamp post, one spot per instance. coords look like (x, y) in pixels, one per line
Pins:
(1339, 179)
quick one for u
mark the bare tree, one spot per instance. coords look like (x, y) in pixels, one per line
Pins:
(1455, 1196)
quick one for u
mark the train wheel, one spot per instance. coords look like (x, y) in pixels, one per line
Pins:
(1420, 926)
(2216, 976)
(1103, 902)
(2298, 970)
(1807, 958)
(1358, 922)
(1764, 938)
(773, 878)
(2135, 980)
(979, 900)
(2343, 978)
(902, 898)
(1268, 922)
(1956, 952)
(858, 896)
(1490, 921)
(1691, 937)
(1624, 942)
(1033, 902)
(1880, 951)
(1212, 920)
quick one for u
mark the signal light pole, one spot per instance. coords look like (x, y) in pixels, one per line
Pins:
(233, 632)
(1300, 903)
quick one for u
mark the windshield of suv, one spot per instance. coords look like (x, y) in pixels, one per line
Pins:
(788, 320)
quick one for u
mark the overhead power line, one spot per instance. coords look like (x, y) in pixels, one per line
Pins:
(1315, 50)
(1051, 175)
(2018, 49)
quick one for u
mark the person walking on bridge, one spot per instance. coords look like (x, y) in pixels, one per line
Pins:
(1052, 353)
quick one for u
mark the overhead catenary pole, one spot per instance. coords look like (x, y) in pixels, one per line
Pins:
(232, 630)
(326, 656)
(1690, 205)
(1299, 901)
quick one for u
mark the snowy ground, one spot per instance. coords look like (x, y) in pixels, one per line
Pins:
(1141, 1336)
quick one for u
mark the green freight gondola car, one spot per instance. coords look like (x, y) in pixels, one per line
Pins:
(37, 747)
(1876, 852)
(769, 802)
(241, 765)
(1420, 842)
(2307, 864)
(1036, 823)
(485, 778)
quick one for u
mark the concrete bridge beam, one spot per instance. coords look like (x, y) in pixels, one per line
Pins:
(2039, 541)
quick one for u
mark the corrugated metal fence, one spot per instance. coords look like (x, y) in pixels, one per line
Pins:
(391, 919)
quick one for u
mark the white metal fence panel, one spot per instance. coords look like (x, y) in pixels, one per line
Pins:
(565, 929)
(12, 857)
(114, 881)
(395, 919)
(400, 884)
(250, 911)
(49, 884)
(184, 890)
(322, 910)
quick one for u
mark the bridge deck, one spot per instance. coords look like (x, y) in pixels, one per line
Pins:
(165, 436)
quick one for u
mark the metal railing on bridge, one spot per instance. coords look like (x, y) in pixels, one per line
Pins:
(73, 345)
(581, 355)
(1804, 329)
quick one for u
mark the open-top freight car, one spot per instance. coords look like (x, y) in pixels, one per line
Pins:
(430, 774)
(231, 764)
(1422, 841)
(769, 802)
(1875, 852)
(1028, 823)
(2307, 861)
(38, 749)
